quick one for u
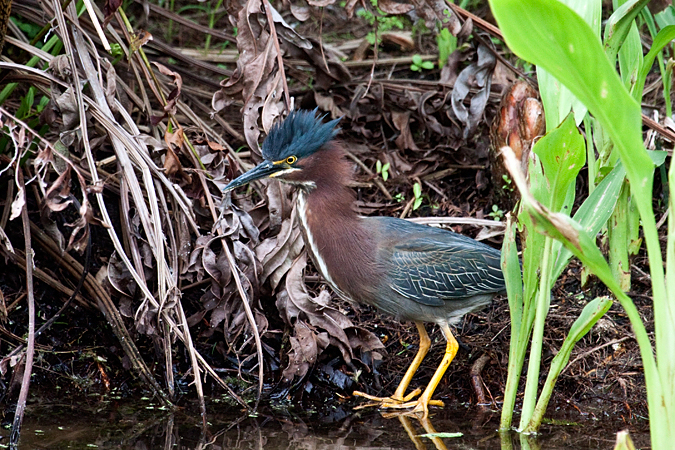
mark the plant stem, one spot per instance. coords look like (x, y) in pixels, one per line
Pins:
(590, 153)
(534, 365)
(617, 232)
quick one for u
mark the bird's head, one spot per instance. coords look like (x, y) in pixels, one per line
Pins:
(290, 150)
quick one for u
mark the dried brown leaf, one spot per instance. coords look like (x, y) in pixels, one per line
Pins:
(405, 139)
(306, 346)
(18, 204)
(435, 11)
(321, 3)
(139, 39)
(393, 7)
(477, 75)
(301, 13)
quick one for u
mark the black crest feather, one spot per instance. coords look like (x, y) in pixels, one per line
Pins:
(301, 134)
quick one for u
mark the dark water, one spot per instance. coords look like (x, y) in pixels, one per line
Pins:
(108, 424)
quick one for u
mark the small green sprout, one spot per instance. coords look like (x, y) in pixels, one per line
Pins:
(382, 169)
(497, 214)
(417, 192)
(418, 65)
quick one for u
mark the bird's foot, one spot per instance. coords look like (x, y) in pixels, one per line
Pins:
(386, 402)
(417, 408)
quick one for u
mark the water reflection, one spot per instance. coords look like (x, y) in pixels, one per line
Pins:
(108, 425)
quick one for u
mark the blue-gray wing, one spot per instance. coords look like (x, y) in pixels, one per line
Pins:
(447, 266)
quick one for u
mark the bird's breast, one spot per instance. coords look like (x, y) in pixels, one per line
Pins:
(306, 216)
(342, 252)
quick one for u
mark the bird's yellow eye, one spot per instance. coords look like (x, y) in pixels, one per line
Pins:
(291, 160)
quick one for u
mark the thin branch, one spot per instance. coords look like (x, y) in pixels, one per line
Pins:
(30, 346)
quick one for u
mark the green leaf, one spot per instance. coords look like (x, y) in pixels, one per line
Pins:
(595, 211)
(630, 57)
(590, 315)
(417, 60)
(549, 34)
(427, 65)
(666, 17)
(378, 166)
(512, 275)
(662, 39)
(556, 98)
(562, 153)
(447, 44)
(441, 435)
(417, 203)
(417, 190)
(619, 25)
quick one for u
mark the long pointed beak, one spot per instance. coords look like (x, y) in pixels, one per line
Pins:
(265, 169)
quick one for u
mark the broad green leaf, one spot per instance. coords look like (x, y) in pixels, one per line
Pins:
(563, 154)
(549, 34)
(666, 17)
(619, 24)
(533, 246)
(582, 245)
(658, 156)
(662, 39)
(595, 211)
(417, 190)
(556, 98)
(589, 316)
(630, 58)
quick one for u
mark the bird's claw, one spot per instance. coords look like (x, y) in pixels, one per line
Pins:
(416, 407)
(388, 402)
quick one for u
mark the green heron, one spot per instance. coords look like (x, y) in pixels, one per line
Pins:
(410, 271)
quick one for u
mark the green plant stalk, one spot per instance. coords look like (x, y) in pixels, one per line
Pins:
(634, 239)
(528, 442)
(505, 440)
(592, 312)
(651, 26)
(590, 154)
(617, 233)
(583, 246)
(541, 311)
(212, 22)
(667, 375)
(667, 86)
(548, 43)
(169, 31)
(514, 289)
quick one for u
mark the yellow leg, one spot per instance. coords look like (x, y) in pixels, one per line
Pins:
(399, 396)
(425, 344)
(422, 404)
(420, 407)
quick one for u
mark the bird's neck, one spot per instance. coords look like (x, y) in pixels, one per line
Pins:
(342, 247)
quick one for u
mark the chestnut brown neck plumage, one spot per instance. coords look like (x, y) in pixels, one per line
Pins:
(339, 236)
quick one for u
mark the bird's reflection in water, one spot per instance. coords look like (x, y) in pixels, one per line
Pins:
(428, 428)
(141, 425)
